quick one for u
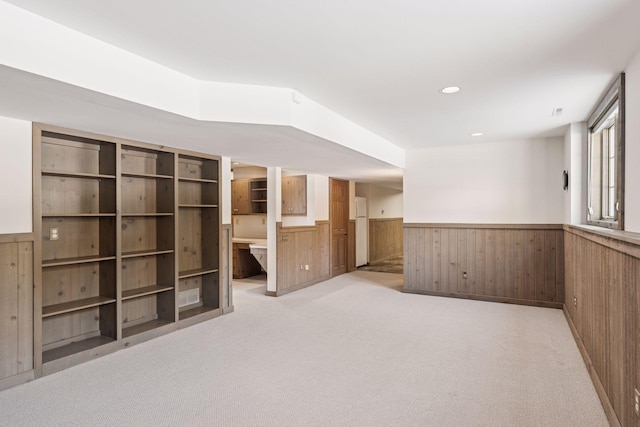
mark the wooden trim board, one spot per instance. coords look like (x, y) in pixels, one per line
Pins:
(600, 390)
(484, 226)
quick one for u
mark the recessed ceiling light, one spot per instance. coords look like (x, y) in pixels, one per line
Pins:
(450, 89)
(477, 134)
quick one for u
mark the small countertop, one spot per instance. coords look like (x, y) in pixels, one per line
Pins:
(257, 242)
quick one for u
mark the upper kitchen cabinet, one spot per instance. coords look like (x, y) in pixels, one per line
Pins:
(240, 197)
(294, 195)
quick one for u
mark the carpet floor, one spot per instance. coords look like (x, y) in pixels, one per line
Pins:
(351, 351)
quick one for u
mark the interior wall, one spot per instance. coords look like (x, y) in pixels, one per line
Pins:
(310, 217)
(632, 145)
(575, 158)
(495, 182)
(225, 185)
(248, 172)
(385, 202)
(250, 226)
(352, 200)
(321, 203)
(15, 176)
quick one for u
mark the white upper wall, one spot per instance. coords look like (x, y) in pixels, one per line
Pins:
(632, 146)
(385, 202)
(322, 197)
(15, 177)
(499, 182)
(48, 49)
(575, 161)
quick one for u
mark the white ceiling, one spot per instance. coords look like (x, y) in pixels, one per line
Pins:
(381, 63)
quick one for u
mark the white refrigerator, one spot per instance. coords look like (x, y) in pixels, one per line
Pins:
(362, 248)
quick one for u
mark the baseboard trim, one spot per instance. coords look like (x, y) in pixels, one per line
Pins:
(533, 303)
(17, 379)
(383, 259)
(271, 293)
(300, 286)
(227, 310)
(600, 390)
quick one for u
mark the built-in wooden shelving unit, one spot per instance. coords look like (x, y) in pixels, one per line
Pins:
(127, 242)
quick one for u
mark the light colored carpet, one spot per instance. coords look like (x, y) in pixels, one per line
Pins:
(352, 351)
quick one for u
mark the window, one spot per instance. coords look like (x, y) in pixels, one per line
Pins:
(606, 159)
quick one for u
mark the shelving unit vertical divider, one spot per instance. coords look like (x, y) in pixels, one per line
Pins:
(176, 234)
(37, 250)
(118, 190)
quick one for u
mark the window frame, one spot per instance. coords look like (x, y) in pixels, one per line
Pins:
(613, 99)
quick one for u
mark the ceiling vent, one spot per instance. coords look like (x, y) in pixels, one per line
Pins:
(556, 112)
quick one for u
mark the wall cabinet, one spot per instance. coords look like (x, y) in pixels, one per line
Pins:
(249, 196)
(127, 243)
(294, 195)
(240, 198)
(258, 190)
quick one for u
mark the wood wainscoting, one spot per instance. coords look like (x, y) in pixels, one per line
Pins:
(303, 256)
(385, 238)
(351, 245)
(602, 306)
(16, 309)
(521, 264)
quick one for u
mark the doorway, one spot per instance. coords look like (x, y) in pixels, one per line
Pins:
(339, 220)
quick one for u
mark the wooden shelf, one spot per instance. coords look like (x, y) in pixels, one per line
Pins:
(195, 311)
(148, 214)
(145, 175)
(259, 189)
(75, 347)
(77, 260)
(197, 206)
(259, 201)
(78, 215)
(68, 307)
(210, 181)
(150, 252)
(49, 172)
(197, 272)
(128, 331)
(147, 290)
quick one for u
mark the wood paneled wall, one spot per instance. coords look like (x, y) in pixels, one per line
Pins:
(603, 275)
(385, 238)
(16, 309)
(351, 245)
(508, 263)
(297, 248)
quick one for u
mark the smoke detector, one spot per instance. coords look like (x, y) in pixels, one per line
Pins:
(556, 112)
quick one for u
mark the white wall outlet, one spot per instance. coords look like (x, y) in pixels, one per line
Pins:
(575, 301)
(54, 233)
(306, 267)
(301, 267)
